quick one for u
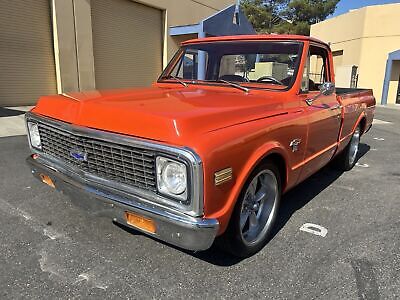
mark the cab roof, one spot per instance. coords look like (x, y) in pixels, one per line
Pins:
(255, 37)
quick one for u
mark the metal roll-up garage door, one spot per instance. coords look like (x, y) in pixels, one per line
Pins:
(27, 68)
(127, 43)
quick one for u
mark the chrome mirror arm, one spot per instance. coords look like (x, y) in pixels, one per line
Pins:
(326, 89)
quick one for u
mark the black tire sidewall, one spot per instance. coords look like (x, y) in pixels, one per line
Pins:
(233, 235)
(342, 161)
(347, 165)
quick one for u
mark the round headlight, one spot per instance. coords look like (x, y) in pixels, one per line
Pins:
(171, 177)
(174, 177)
(34, 135)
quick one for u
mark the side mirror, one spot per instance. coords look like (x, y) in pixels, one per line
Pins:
(327, 88)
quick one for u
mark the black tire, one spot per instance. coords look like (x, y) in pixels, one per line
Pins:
(347, 159)
(233, 239)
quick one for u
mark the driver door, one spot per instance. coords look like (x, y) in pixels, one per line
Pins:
(323, 112)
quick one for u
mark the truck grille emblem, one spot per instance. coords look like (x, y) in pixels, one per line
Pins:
(78, 155)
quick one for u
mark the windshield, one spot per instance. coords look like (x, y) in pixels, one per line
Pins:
(271, 65)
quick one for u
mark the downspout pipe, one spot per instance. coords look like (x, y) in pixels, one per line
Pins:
(201, 67)
(388, 73)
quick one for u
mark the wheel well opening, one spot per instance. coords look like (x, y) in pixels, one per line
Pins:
(281, 164)
(363, 124)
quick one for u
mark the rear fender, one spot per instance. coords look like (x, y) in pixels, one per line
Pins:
(359, 119)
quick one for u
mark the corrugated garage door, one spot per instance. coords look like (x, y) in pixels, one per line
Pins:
(26, 52)
(127, 43)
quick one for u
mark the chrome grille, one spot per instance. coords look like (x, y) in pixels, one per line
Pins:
(125, 164)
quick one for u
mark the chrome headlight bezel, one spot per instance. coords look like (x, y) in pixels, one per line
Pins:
(34, 135)
(193, 202)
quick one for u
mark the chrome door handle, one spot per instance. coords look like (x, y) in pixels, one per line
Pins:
(337, 106)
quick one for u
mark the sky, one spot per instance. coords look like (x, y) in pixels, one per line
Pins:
(345, 5)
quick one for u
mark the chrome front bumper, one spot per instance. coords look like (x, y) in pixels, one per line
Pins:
(172, 226)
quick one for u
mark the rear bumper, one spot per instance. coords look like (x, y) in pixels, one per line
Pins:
(171, 226)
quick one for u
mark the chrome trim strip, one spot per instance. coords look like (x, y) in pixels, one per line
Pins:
(196, 171)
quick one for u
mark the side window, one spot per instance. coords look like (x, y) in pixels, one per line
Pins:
(318, 67)
(306, 77)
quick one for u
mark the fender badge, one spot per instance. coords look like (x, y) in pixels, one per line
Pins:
(295, 144)
(223, 176)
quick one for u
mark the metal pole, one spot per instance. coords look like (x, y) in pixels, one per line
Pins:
(388, 74)
(201, 68)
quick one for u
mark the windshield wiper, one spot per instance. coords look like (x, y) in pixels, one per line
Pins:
(236, 85)
(177, 79)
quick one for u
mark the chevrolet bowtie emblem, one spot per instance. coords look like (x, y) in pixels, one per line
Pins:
(295, 144)
(78, 155)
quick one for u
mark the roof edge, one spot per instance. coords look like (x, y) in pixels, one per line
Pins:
(255, 37)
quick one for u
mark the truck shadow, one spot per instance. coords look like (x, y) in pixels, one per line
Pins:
(8, 112)
(291, 202)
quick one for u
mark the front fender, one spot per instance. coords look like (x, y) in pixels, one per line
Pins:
(241, 176)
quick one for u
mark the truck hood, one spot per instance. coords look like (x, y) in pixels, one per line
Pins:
(164, 114)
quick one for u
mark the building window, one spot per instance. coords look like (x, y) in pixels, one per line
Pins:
(337, 57)
(337, 53)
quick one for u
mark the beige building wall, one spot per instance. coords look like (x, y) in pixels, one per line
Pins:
(366, 36)
(72, 31)
(185, 12)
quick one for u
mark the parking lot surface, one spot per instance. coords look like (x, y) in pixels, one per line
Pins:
(51, 249)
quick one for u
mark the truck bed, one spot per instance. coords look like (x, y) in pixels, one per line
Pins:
(345, 91)
(357, 104)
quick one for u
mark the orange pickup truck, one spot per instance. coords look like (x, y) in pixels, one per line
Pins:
(231, 124)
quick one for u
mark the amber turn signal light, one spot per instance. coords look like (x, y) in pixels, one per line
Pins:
(140, 222)
(47, 180)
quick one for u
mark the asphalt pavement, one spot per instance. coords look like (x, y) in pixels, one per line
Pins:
(51, 249)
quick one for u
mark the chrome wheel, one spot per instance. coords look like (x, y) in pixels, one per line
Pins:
(259, 207)
(354, 144)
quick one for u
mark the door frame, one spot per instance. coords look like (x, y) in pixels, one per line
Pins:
(397, 100)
